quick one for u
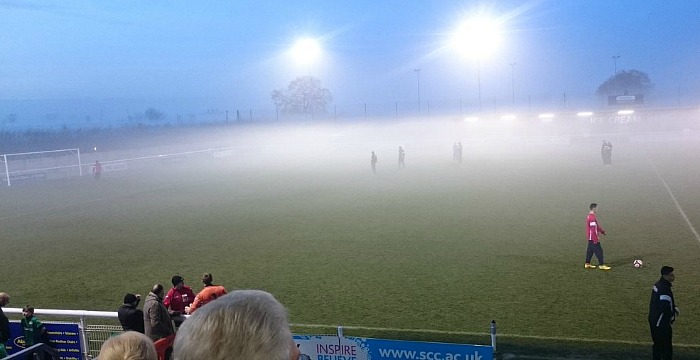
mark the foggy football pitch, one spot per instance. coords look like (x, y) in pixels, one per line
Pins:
(436, 246)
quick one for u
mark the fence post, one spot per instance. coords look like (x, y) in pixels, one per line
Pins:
(84, 337)
(493, 335)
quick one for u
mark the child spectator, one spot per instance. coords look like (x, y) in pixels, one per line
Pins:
(34, 330)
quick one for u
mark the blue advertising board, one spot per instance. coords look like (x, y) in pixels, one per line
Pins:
(64, 338)
(321, 347)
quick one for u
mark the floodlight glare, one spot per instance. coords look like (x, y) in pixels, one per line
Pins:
(584, 113)
(508, 117)
(471, 119)
(306, 50)
(547, 117)
(625, 112)
(477, 37)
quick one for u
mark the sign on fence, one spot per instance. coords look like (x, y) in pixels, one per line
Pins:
(322, 347)
(64, 338)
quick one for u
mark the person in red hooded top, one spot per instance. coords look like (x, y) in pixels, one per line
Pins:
(593, 231)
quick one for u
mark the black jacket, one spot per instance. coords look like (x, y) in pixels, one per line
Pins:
(4, 327)
(131, 318)
(662, 306)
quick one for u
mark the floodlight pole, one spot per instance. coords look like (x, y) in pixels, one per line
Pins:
(7, 169)
(512, 80)
(615, 72)
(418, 78)
(478, 80)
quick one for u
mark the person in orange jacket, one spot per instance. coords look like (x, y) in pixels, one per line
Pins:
(210, 293)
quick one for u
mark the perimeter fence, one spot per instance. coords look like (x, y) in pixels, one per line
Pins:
(82, 341)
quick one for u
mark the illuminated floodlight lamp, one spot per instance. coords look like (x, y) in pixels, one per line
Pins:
(306, 50)
(508, 117)
(477, 37)
(471, 119)
(546, 117)
(584, 113)
(625, 112)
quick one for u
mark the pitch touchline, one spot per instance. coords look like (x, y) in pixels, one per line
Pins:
(536, 337)
(678, 206)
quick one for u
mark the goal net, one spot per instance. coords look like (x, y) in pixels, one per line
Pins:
(39, 165)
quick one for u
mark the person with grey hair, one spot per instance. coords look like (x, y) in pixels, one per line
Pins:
(245, 324)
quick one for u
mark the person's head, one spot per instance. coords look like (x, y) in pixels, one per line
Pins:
(667, 273)
(178, 281)
(593, 206)
(4, 299)
(245, 324)
(207, 279)
(130, 345)
(28, 311)
(131, 299)
(157, 289)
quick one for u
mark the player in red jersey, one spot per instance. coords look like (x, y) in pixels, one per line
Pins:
(593, 231)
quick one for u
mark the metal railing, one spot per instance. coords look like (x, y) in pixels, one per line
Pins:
(91, 336)
(39, 351)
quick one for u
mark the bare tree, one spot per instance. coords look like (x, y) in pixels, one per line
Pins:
(304, 95)
(153, 115)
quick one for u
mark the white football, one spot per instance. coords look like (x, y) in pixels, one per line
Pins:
(637, 263)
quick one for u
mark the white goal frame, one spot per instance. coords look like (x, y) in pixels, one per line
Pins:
(38, 164)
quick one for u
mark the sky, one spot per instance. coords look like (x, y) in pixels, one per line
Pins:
(233, 54)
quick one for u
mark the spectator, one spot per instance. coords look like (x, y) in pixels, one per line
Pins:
(210, 293)
(246, 324)
(179, 297)
(130, 345)
(130, 317)
(4, 325)
(155, 315)
(34, 330)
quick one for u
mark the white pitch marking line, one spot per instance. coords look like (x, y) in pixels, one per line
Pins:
(678, 206)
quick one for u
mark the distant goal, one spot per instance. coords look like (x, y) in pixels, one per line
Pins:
(37, 165)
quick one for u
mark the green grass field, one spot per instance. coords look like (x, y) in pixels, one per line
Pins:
(436, 246)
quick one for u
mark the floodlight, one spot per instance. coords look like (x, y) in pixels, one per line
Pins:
(546, 117)
(471, 119)
(508, 117)
(584, 113)
(625, 112)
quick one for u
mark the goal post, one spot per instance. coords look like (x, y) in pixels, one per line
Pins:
(41, 165)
